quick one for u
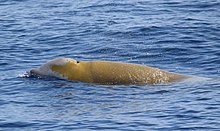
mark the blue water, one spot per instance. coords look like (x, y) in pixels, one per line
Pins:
(181, 36)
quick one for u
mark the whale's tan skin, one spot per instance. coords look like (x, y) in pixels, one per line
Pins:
(108, 72)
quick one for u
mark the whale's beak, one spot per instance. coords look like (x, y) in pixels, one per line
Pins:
(34, 72)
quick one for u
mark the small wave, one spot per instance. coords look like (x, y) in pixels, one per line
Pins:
(16, 124)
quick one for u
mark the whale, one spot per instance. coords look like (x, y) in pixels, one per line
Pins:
(105, 72)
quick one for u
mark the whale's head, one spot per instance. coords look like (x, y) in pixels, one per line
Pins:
(55, 68)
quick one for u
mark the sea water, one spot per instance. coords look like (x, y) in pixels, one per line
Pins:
(175, 35)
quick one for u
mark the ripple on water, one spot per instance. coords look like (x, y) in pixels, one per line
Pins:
(178, 36)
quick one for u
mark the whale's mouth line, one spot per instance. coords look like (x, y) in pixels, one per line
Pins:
(46, 73)
(32, 74)
(28, 74)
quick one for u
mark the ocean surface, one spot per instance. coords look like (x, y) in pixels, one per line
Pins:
(181, 36)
